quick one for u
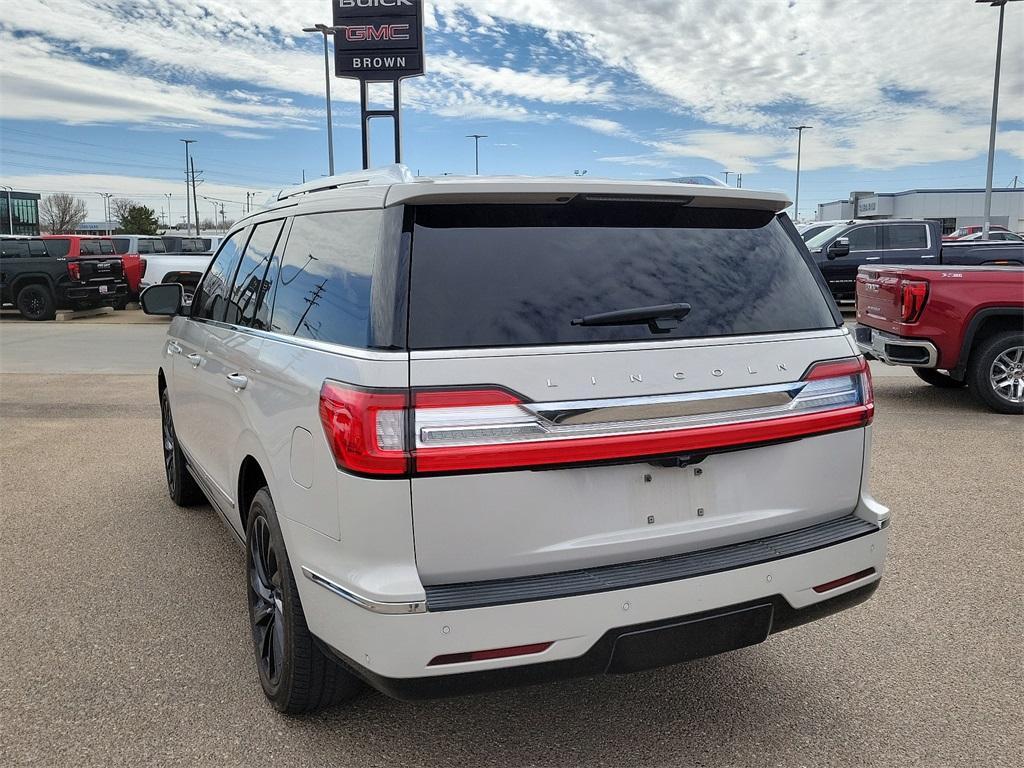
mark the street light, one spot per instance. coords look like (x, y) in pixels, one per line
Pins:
(326, 31)
(476, 138)
(169, 219)
(106, 209)
(727, 174)
(799, 147)
(188, 210)
(995, 111)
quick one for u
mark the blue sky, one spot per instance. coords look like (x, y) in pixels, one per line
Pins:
(96, 93)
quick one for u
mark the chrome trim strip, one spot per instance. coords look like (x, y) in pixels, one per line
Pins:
(666, 406)
(320, 346)
(631, 346)
(374, 606)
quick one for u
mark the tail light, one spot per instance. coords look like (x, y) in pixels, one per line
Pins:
(390, 432)
(493, 653)
(142, 268)
(75, 270)
(913, 294)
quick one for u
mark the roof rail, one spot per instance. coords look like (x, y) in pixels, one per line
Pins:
(389, 174)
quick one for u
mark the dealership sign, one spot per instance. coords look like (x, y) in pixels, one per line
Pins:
(378, 40)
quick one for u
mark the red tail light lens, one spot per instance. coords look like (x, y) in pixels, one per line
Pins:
(365, 428)
(142, 268)
(913, 295)
(75, 270)
(382, 432)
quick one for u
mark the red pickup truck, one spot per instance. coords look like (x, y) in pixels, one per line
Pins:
(955, 326)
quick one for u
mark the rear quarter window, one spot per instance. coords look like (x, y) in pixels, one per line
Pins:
(517, 275)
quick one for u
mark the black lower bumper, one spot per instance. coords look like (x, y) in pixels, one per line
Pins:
(627, 649)
(85, 292)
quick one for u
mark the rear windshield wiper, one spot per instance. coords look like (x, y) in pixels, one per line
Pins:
(661, 318)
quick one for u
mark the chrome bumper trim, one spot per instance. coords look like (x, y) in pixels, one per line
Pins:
(374, 606)
(878, 343)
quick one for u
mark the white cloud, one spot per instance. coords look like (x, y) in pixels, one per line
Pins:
(602, 125)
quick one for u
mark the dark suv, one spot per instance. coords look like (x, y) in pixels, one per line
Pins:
(38, 277)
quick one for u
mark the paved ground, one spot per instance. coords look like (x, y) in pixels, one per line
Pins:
(125, 637)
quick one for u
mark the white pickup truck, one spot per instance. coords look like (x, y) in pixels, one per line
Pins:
(184, 268)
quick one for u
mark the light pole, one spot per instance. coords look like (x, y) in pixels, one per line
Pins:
(476, 139)
(106, 209)
(799, 148)
(188, 211)
(995, 111)
(727, 174)
(326, 31)
(169, 219)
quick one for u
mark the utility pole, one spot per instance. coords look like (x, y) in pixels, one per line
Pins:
(476, 138)
(195, 198)
(326, 31)
(169, 219)
(799, 148)
(188, 213)
(995, 112)
(739, 181)
(727, 174)
(223, 218)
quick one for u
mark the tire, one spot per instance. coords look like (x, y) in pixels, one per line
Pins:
(181, 486)
(996, 372)
(35, 302)
(295, 674)
(938, 379)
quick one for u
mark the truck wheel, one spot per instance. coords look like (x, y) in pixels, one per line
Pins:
(996, 372)
(295, 674)
(181, 485)
(939, 379)
(35, 302)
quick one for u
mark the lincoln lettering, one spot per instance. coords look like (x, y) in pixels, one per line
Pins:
(378, 62)
(358, 33)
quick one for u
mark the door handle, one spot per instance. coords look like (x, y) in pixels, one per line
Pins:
(872, 258)
(238, 381)
(195, 359)
(173, 347)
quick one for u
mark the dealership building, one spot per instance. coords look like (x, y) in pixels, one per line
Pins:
(19, 212)
(953, 207)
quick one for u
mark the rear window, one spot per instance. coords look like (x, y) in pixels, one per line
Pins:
(517, 275)
(95, 248)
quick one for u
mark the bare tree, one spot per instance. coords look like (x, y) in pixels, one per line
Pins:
(61, 213)
(120, 209)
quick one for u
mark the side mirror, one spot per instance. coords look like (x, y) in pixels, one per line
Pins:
(163, 299)
(840, 247)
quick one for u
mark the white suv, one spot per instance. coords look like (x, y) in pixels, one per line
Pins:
(483, 432)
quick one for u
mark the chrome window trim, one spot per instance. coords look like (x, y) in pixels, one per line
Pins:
(366, 603)
(298, 341)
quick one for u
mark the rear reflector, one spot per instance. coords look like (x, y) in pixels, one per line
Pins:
(830, 585)
(390, 432)
(494, 653)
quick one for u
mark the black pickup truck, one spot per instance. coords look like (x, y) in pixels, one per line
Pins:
(841, 250)
(38, 278)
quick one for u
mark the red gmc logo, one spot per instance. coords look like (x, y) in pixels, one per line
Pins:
(359, 33)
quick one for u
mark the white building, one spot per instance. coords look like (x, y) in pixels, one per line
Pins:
(953, 207)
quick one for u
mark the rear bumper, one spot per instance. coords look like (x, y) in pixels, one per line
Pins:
(620, 630)
(76, 292)
(627, 649)
(896, 350)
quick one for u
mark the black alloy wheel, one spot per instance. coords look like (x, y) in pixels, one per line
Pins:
(266, 603)
(181, 486)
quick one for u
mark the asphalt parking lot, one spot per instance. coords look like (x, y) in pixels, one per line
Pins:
(126, 641)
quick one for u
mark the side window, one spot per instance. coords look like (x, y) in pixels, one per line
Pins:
(36, 248)
(58, 248)
(145, 246)
(210, 300)
(251, 286)
(14, 248)
(905, 236)
(865, 239)
(323, 291)
(121, 245)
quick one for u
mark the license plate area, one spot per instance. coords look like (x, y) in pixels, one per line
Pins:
(104, 289)
(690, 639)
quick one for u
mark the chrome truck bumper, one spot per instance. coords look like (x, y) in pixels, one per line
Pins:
(896, 350)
